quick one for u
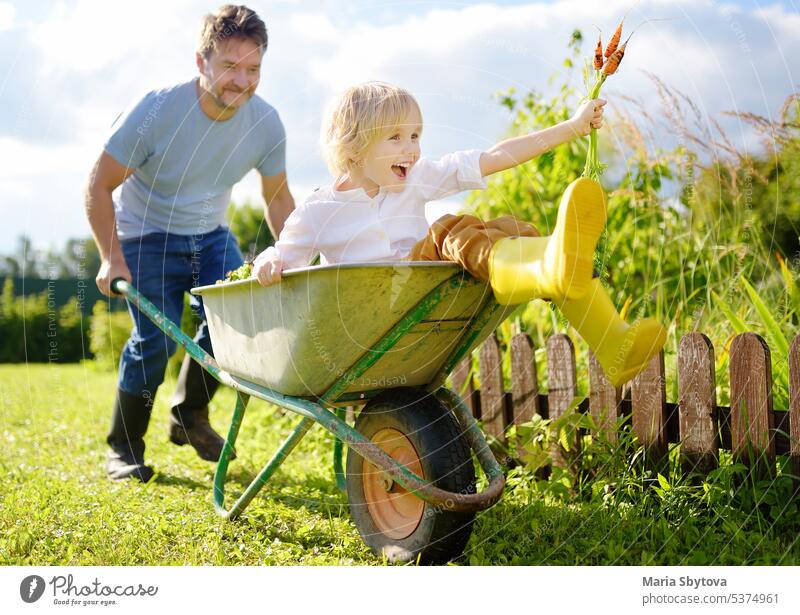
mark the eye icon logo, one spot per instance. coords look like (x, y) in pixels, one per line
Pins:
(31, 588)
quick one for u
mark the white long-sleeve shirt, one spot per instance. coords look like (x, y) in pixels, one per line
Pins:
(350, 227)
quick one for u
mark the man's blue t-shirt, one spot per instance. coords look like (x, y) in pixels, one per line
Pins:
(186, 164)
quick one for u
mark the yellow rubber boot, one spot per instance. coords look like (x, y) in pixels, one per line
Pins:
(622, 350)
(558, 266)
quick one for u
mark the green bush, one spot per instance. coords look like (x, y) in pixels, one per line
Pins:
(34, 329)
(250, 228)
(108, 333)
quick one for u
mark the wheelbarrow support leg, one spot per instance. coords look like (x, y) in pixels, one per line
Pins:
(338, 466)
(273, 464)
(225, 456)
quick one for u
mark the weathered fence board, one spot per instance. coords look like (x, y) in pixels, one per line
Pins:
(649, 403)
(605, 401)
(492, 391)
(462, 384)
(794, 405)
(524, 386)
(698, 404)
(752, 419)
(563, 387)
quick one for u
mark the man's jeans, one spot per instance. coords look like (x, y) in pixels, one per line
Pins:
(164, 266)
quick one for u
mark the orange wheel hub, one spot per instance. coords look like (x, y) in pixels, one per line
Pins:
(395, 511)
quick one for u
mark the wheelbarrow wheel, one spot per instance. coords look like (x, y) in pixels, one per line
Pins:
(418, 431)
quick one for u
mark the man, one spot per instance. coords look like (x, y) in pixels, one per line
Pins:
(177, 154)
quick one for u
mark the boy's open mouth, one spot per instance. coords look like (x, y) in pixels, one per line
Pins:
(401, 169)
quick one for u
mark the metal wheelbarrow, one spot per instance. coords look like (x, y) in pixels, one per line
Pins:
(383, 336)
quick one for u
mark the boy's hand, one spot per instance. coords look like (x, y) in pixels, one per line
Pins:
(267, 270)
(516, 150)
(589, 115)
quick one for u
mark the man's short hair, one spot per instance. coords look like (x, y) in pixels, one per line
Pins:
(231, 21)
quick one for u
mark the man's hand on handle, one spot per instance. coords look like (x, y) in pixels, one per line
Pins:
(110, 270)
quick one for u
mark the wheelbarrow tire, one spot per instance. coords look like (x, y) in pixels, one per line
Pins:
(411, 423)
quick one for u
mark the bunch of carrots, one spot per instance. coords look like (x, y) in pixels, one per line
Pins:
(605, 64)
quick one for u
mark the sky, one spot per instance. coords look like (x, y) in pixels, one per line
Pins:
(68, 68)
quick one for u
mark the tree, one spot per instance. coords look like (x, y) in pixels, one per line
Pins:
(23, 263)
(761, 191)
(78, 259)
(250, 228)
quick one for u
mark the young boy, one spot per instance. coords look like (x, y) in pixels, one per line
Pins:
(375, 210)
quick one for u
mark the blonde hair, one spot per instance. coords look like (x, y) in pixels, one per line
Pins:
(358, 116)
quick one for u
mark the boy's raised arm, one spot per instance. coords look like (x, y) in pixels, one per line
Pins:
(515, 151)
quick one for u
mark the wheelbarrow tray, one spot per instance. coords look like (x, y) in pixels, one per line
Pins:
(300, 336)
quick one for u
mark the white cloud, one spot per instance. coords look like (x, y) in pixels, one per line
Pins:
(93, 58)
(314, 27)
(454, 59)
(93, 35)
(30, 160)
(41, 190)
(499, 40)
(447, 38)
(7, 13)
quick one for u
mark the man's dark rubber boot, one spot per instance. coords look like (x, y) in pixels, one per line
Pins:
(128, 425)
(188, 421)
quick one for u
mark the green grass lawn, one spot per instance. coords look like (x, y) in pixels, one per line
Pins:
(57, 507)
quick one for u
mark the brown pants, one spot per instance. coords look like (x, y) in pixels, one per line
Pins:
(468, 240)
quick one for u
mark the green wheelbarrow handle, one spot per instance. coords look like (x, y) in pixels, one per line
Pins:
(118, 286)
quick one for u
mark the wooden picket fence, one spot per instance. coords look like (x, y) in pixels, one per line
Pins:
(751, 428)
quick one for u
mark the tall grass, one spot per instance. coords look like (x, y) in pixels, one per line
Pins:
(703, 236)
(58, 508)
(688, 239)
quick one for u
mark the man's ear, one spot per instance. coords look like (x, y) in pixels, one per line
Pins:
(201, 63)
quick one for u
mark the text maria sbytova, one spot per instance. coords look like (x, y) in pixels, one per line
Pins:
(684, 581)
